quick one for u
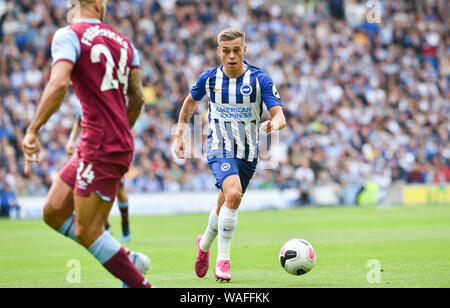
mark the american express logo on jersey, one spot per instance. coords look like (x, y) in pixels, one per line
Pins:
(237, 113)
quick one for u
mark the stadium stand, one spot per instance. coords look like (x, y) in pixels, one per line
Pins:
(364, 101)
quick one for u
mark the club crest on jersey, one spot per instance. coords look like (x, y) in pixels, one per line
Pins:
(246, 90)
(225, 167)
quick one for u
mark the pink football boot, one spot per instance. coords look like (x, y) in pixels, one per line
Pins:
(202, 262)
(222, 271)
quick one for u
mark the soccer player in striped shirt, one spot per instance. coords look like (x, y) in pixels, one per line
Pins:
(236, 92)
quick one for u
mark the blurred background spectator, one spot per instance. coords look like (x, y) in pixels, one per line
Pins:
(8, 202)
(364, 101)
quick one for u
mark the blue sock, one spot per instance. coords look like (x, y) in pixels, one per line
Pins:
(68, 228)
(105, 247)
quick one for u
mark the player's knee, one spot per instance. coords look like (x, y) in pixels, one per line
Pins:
(233, 196)
(50, 216)
(46, 215)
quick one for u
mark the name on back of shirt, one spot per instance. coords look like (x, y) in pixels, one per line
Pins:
(92, 32)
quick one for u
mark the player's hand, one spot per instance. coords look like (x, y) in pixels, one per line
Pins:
(31, 148)
(267, 127)
(179, 146)
(70, 148)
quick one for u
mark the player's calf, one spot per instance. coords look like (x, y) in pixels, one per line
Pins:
(58, 209)
(54, 219)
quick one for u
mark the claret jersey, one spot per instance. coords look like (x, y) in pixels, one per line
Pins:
(102, 61)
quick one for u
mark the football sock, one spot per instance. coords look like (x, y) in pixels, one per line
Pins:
(210, 232)
(114, 258)
(68, 228)
(228, 220)
(123, 207)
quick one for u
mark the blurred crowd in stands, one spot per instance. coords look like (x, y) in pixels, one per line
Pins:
(363, 101)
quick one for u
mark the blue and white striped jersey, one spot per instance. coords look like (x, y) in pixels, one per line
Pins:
(235, 110)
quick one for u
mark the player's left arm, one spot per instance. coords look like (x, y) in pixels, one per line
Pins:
(272, 100)
(135, 95)
(74, 133)
(277, 121)
(50, 102)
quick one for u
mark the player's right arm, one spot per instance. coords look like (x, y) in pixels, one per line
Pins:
(65, 52)
(187, 111)
(50, 102)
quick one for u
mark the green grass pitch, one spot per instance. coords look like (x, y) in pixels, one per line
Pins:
(412, 245)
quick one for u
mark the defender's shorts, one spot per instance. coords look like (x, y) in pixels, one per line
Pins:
(86, 177)
(224, 167)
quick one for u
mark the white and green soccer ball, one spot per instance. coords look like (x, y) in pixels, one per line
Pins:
(297, 257)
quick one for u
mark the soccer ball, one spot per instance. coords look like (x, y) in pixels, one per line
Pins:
(297, 257)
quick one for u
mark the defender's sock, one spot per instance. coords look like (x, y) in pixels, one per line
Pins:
(123, 207)
(68, 228)
(210, 232)
(115, 259)
(228, 220)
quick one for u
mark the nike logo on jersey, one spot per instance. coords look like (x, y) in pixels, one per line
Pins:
(217, 90)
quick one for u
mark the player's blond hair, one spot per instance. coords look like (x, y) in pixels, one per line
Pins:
(83, 3)
(230, 34)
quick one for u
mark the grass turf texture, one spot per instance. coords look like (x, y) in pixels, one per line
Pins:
(412, 245)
